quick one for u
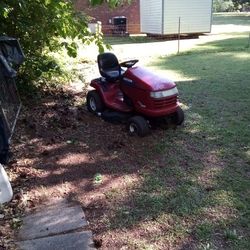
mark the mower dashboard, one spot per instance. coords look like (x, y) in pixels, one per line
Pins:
(129, 64)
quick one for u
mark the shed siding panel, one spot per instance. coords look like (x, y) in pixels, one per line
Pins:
(151, 16)
(195, 16)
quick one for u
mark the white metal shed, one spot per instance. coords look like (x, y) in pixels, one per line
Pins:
(162, 16)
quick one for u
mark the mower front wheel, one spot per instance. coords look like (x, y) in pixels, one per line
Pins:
(178, 117)
(94, 102)
(137, 125)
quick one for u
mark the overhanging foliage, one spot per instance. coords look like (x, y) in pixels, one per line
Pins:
(50, 24)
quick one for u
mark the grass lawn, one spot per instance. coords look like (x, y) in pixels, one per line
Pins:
(129, 39)
(196, 194)
(231, 18)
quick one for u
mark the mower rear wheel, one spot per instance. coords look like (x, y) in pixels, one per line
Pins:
(94, 102)
(178, 117)
(137, 125)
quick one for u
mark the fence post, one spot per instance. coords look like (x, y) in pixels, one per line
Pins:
(98, 28)
(179, 34)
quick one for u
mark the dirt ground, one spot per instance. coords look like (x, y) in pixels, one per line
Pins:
(61, 150)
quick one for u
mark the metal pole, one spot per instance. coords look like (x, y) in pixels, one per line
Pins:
(179, 35)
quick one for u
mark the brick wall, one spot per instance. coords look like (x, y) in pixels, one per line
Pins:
(104, 14)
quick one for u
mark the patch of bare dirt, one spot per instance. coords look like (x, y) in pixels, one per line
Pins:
(58, 150)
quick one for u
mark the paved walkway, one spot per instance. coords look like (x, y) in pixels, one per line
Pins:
(56, 226)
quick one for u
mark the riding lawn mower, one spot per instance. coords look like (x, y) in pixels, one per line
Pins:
(133, 95)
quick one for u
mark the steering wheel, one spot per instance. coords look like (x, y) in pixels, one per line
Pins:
(129, 64)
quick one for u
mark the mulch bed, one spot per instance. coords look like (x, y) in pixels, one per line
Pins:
(59, 148)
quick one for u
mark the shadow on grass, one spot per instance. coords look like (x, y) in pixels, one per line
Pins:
(191, 184)
(199, 187)
(197, 192)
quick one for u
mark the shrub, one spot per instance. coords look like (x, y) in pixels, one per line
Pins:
(43, 26)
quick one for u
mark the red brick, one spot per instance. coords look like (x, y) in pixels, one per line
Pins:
(103, 13)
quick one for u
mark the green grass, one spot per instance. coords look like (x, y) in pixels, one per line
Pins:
(231, 18)
(129, 40)
(238, 42)
(204, 231)
(202, 189)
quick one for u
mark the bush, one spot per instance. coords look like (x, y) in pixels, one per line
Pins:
(223, 5)
(43, 26)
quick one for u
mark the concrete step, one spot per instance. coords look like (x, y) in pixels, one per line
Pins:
(54, 220)
(57, 225)
(71, 241)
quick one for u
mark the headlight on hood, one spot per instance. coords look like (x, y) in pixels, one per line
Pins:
(164, 93)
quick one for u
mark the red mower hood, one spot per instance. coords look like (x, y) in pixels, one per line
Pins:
(147, 80)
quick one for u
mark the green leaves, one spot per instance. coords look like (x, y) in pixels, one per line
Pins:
(98, 178)
(43, 26)
(71, 48)
(4, 10)
(96, 2)
(111, 3)
(47, 25)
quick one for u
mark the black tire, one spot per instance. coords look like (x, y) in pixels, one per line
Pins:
(4, 144)
(94, 102)
(137, 125)
(178, 117)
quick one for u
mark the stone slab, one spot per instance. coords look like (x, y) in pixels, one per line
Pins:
(54, 220)
(55, 203)
(71, 241)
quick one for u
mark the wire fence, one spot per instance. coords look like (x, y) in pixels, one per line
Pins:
(10, 104)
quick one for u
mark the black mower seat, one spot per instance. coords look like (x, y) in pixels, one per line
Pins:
(109, 66)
